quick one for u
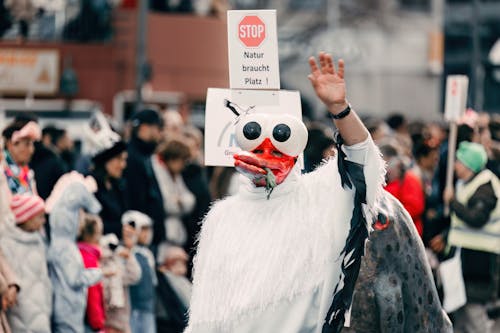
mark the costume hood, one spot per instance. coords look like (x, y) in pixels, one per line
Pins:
(65, 215)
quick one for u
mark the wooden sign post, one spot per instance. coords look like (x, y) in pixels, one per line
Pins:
(455, 103)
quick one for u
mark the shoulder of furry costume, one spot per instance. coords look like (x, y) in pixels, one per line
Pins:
(254, 254)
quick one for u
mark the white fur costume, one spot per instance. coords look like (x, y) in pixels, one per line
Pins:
(271, 266)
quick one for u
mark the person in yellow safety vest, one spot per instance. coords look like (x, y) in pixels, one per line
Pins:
(475, 227)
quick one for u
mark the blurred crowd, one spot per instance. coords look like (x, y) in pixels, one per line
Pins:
(107, 248)
(102, 239)
(85, 20)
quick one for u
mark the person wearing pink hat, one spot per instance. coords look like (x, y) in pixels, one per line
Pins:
(19, 139)
(24, 250)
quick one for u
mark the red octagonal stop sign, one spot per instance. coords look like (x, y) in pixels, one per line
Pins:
(251, 31)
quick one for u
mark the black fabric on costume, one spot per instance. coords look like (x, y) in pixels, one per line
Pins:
(351, 174)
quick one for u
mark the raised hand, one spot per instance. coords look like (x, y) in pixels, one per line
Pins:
(448, 195)
(11, 296)
(109, 272)
(328, 82)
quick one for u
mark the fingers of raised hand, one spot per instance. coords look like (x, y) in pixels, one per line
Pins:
(341, 68)
(326, 65)
(314, 67)
(329, 66)
(323, 61)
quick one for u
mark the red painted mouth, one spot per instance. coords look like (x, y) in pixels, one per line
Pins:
(254, 164)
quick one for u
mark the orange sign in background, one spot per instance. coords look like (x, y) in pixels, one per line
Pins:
(24, 71)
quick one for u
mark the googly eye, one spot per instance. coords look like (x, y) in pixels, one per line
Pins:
(251, 131)
(281, 132)
(289, 134)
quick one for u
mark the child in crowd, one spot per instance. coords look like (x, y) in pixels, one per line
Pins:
(69, 276)
(118, 258)
(88, 243)
(142, 294)
(25, 250)
(174, 289)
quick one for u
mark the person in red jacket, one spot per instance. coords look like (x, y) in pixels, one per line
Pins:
(88, 243)
(404, 185)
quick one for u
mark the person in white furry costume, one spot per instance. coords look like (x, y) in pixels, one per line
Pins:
(283, 254)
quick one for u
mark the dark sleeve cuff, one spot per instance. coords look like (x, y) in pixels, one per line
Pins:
(455, 205)
(15, 285)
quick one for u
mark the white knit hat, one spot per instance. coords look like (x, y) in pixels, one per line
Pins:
(109, 239)
(26, 206)
(140, 219)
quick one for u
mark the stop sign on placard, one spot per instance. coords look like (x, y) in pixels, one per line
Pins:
(251, 31)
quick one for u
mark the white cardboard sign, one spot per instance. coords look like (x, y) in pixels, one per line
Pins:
(456, 97)
(253, 49)
(220, 139)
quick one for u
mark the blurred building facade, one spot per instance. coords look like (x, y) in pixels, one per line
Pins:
(397, 52)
